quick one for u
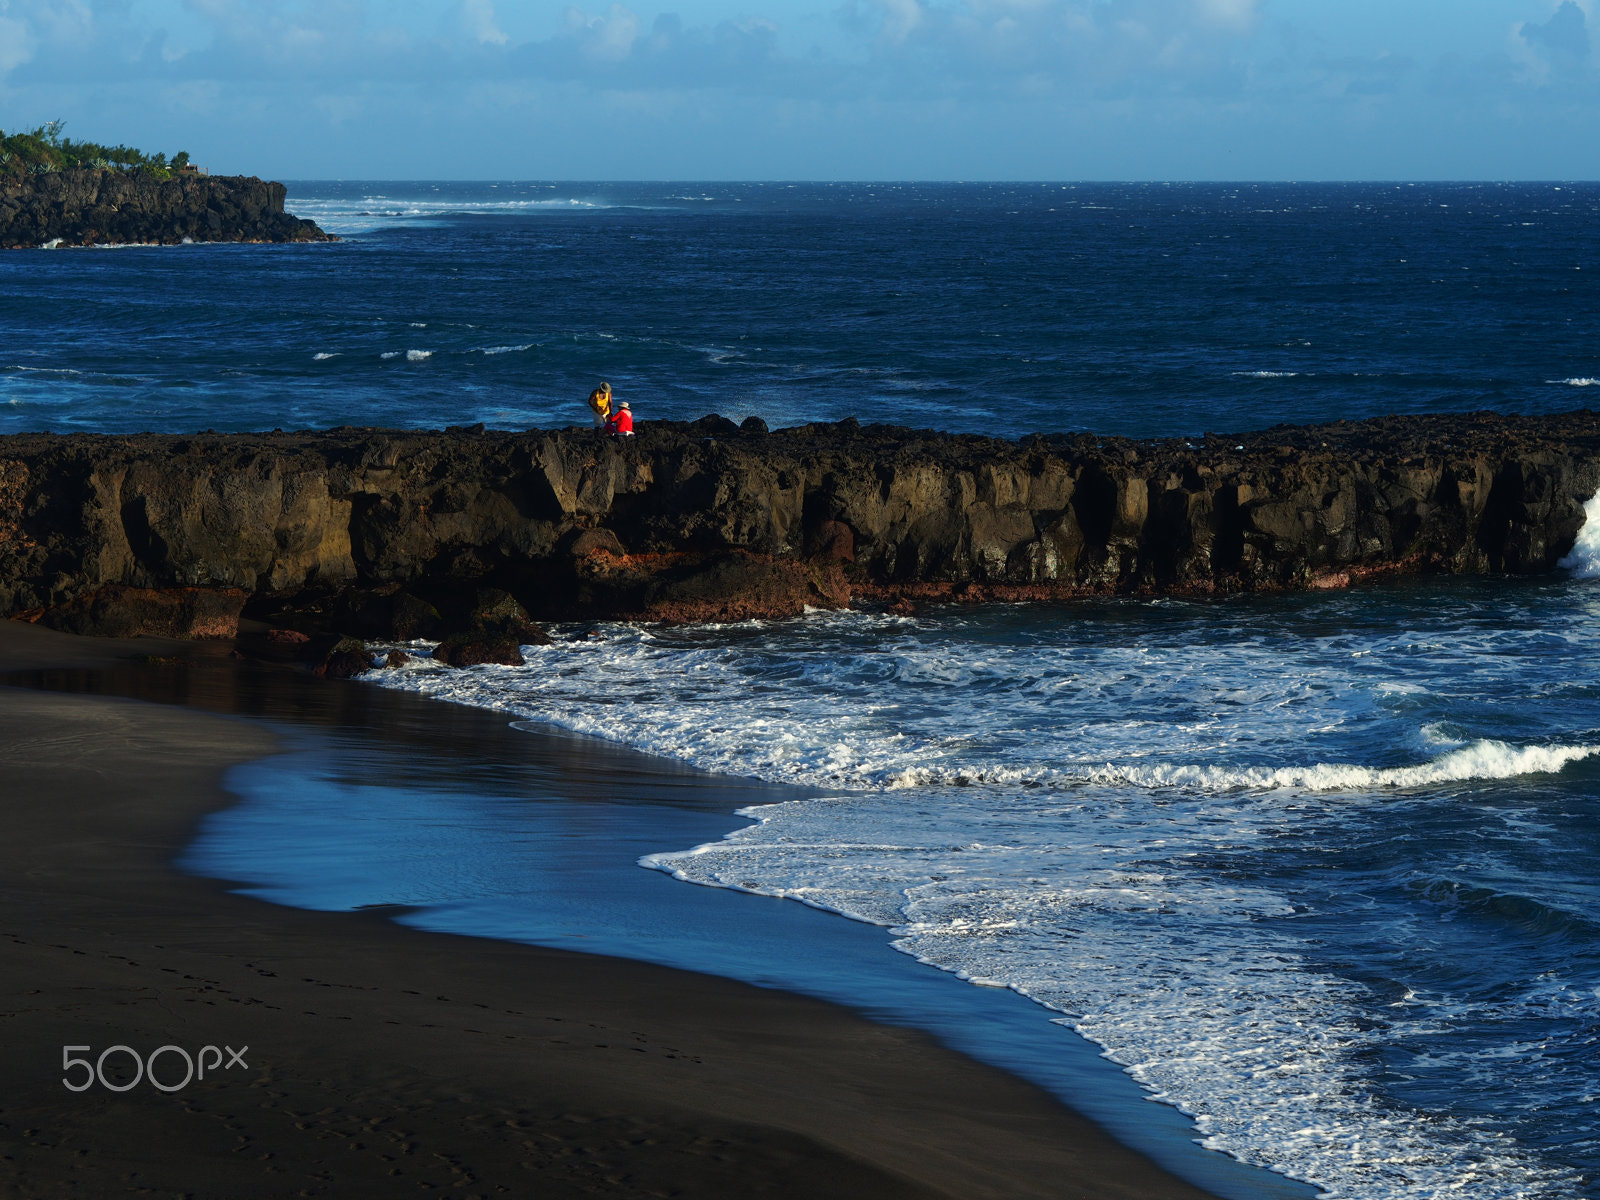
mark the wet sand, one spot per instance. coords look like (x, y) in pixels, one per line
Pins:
(383, 1059)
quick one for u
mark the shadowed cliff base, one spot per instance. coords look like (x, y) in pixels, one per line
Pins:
(401, 534)
(98, 207)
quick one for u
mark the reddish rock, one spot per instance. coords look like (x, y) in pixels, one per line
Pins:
(117, 611)
(472, 649)
(596, 541)
(833, 541)
(348, 658)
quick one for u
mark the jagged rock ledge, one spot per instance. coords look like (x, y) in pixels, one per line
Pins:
(396, 534)
(86, 207)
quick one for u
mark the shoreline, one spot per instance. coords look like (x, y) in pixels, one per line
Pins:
(385, 1057)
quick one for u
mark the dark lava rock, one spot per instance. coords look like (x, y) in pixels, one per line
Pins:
(752, 425)
(832, 541)
(87, 207)
(119, 611)
(411, 617)
(348, 658)
(498, 612)
(396, 534)
(471, 649)
(596, 541)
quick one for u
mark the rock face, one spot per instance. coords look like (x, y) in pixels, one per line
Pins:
(89, 207)
(398, 534)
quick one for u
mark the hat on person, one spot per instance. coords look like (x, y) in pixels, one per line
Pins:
(606, 388)
(624, 404)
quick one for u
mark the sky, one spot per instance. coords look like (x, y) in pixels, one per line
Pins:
(821, 89)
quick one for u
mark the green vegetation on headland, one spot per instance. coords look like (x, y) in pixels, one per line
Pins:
(42, 150)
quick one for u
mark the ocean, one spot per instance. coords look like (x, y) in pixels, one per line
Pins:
(1315, 870)
(1145, 310)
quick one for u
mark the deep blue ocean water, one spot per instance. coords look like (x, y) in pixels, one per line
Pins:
(1141, 310)
(1318, 870)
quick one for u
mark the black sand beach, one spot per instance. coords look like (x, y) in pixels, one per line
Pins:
(383, 1059)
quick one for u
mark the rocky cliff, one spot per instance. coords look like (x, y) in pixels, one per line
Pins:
(382, 533)
(90, 207)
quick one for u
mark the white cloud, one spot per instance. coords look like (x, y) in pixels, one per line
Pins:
(62, 20)
(1240, 14)
(609, 38)
(901, 18)
(481, 22)
(17, 43)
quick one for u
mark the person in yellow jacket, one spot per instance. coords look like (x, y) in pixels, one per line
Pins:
(600, 404)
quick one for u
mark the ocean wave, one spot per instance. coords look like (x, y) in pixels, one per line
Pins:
(324, 355)
(1460, 898)
(1080, 911)
(1580, 381)
(339, 215)
(1101, 815)
(1584, 559)
(1266, 374)
(1483, 759)
(863, 702)
(418, 355)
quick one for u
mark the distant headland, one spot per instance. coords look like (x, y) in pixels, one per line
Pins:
(58, 192)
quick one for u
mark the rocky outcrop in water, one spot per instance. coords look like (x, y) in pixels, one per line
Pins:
(404, 534)
(104, 207)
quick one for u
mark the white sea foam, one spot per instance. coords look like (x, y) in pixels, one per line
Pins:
(847, 729)
(1054, 813)
(1193, 985)
(1584, 560)
(1267, 374)
(1581, 381)
(387, 354)
(418, 355)
(365, 213)
(324, 355)
(488, 350)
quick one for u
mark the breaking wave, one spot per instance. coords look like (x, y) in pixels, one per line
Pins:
(1584, 560)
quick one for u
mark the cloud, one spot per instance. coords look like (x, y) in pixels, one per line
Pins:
(17, 43)
(607, 38)
(900, 19)
(1181, 78)
(481, 23)
(1240, 14)
(1562, 42)
(1036, 48)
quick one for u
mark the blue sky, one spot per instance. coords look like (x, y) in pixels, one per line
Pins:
(822, 89)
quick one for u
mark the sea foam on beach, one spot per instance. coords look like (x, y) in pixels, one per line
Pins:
(1233, 843)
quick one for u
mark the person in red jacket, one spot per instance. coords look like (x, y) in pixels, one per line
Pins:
(621, 422)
